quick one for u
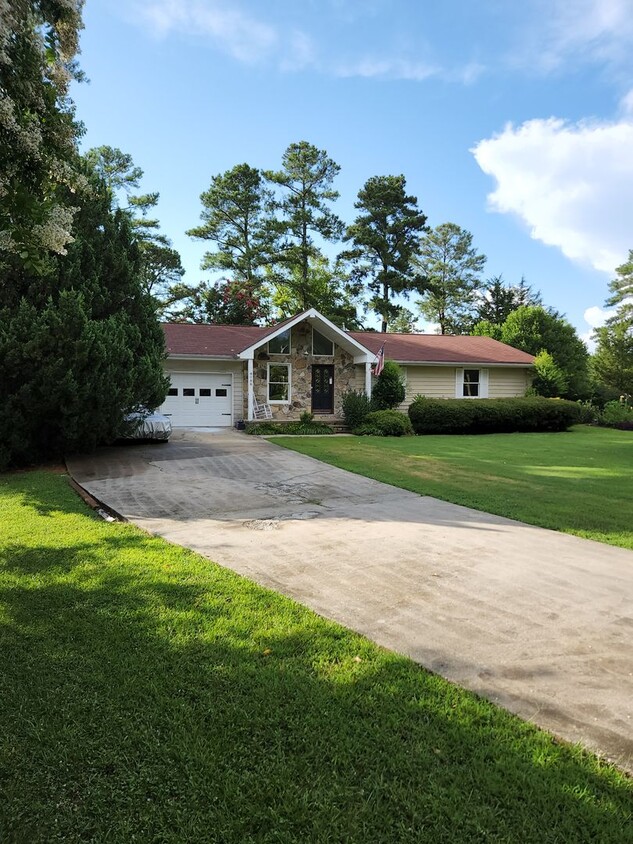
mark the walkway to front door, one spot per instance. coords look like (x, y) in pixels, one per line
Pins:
(322, 388)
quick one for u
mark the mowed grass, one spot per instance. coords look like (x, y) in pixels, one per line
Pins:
(579, 482)
(148, 695)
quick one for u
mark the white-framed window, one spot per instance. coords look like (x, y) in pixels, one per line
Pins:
(471, 383)
(278, 383)
(321, 345)
(280, 345)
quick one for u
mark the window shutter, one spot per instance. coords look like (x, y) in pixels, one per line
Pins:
(459, 383)
(483, 383)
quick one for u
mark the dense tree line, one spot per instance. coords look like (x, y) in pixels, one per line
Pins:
(80, 343)
(267, 230)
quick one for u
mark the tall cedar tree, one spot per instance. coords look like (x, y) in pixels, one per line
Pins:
(384, 238)
(80, 346)
(38, 132)
(306, 181)
(534, 328)
(236, 217)
(499, 300)
(451, 268)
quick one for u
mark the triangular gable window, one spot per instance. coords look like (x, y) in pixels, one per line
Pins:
(321, 345)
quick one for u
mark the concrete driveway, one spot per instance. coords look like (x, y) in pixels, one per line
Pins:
(536, 621)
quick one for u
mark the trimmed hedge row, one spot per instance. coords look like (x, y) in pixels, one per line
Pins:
(491, 416)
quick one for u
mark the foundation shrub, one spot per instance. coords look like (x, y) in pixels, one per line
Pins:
(356, 405)
(386, 423)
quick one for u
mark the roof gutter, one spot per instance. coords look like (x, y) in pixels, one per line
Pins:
(174, 356)
(466, 363)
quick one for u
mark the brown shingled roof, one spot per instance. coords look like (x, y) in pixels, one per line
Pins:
(230, 340)
(213, 340)
(441, 348)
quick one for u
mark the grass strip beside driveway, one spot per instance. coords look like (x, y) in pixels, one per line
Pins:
(578, 482)
(147, 694)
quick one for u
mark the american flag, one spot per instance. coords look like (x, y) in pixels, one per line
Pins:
(380, 361)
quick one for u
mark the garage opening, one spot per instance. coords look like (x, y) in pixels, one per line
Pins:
(199, 401)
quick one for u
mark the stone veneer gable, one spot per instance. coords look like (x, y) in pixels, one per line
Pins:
(301, 360)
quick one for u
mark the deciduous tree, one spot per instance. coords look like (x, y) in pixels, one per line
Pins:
(533, 329)
(404, 323)
(549, 379)
(613, 361)
(329, 291)
(226, 303)
(38, 131)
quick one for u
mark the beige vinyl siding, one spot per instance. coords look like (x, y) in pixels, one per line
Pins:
(505, 382)
(213, 366)
(438, 382)
(435, 382)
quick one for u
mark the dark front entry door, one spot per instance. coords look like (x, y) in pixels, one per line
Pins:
(322, 388)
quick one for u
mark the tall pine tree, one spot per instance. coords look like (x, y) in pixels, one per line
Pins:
(305, 181)
(384, 240)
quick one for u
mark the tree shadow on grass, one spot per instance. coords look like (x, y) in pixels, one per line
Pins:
(165, 699)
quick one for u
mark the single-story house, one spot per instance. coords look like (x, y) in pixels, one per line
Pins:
(223, 373)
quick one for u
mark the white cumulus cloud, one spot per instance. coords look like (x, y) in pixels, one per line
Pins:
(571, 184)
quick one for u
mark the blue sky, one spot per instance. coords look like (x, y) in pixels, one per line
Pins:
(513, 120)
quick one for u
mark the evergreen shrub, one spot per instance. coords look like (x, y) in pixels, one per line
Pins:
(356, 405)
(492, 416)
(385, 423)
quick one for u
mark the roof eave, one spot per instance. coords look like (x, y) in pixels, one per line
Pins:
(460, 363)
(195, 356)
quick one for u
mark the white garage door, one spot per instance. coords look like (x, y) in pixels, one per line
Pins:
(196, 400)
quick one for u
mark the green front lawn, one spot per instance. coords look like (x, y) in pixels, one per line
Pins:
(147, 695)
(578, 482)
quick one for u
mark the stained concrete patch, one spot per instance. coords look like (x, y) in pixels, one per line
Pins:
(537, 621)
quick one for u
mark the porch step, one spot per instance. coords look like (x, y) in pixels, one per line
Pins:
(338, 427)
